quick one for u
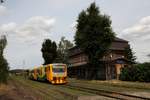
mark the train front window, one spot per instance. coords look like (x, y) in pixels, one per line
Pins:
(58, 69)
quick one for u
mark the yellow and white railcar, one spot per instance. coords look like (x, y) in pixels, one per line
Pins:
(54, 73)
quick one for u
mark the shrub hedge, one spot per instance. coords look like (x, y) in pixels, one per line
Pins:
(138, 72)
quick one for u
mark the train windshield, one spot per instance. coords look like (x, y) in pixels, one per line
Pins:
(58, 68)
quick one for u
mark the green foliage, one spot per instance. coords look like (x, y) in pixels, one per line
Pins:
(139, 72)
(49, 51)
(129, 55)
(3, 70)
(3, 43)
(2, 1)
(94, 33)
(3, 62)
(63, 47)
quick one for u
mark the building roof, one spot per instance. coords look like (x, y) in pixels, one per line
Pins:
(117, 44)
(115, 40)
(120, 40)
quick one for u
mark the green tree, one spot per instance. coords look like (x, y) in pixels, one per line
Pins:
(3, 62)
(129, 55)
(3, 43)
(2, 1)
(49, 51)
(63, 47)
(138, 72)
(94, 34)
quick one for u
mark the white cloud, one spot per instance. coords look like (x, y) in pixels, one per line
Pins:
(139, 30)
(139, 37)
(145, 20)
(3, 10)
(6, 28)
(35, 28)
(73, 26)
(64, 3)
(25, 40)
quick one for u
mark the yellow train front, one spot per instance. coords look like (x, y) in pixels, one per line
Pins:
(54, 73)
(57, 74)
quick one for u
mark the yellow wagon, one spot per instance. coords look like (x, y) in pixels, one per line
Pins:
(54, 73)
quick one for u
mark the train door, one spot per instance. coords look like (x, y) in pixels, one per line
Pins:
(47, 72)
(51, 72)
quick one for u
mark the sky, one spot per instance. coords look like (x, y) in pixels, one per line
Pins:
(26, 23)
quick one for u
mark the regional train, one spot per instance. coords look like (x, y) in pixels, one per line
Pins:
(53, 73)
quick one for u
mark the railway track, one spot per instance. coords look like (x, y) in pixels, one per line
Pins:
(110, 94)
(45, 90)
(60, 92)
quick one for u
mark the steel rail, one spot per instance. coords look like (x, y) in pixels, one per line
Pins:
(110, 94)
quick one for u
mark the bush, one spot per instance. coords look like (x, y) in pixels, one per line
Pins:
(139, 72)
(3, 62)
(3, 70)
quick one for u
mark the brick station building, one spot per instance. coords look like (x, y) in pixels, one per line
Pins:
(113, 61)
